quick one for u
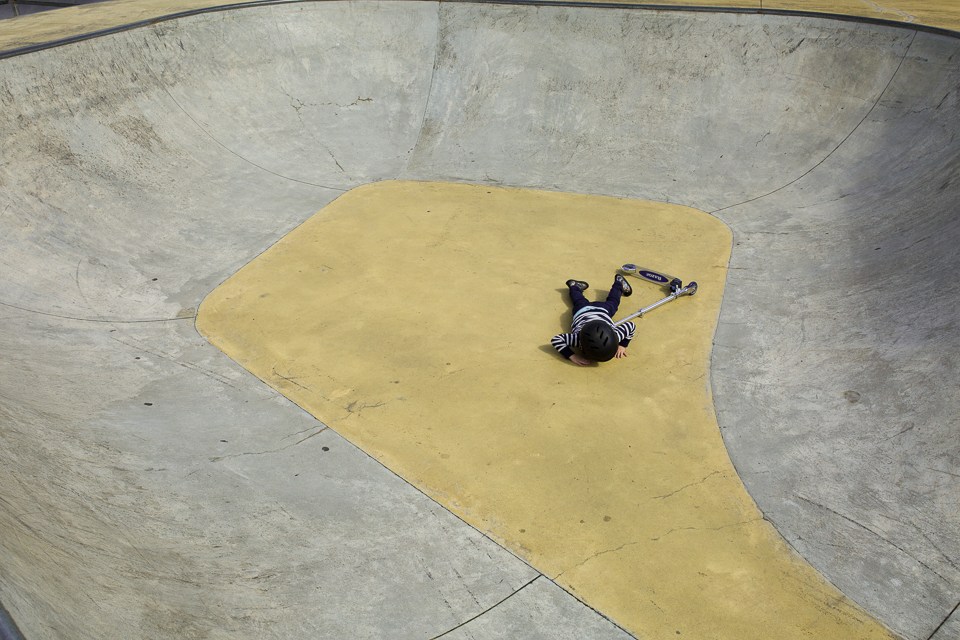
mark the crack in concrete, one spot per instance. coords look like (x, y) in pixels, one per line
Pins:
(466, 588)
(350, 407)
(99, 320)
(913, 244)
(725, 526)
(686, 486)
(303, 125)
(260, 453)
(290, 380)
(955, 475)
(296, 433)
(171, 358)
(232, 152)
(426, 103)
(596, 555)
(355, 102)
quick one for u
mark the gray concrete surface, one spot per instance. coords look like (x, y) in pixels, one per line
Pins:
(151, 488)
(836, 367)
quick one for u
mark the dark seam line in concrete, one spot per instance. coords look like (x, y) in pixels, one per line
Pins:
(104, 321)
(455, 515)
(426, 104)
(376, 461)
(231, 151)
(18, 51)
(940, 626)
(458, 517)
(819, 573)
(485, 611)
(596, 611)
(434, 501)
(893, 76)
(878, 535)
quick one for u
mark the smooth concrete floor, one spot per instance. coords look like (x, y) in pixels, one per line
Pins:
(151, 487)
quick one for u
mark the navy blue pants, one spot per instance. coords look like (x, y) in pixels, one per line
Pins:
(610, 305)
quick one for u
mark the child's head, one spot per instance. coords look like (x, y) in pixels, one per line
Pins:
(598, 341)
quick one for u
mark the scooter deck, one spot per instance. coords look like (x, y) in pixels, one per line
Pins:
(649, 275)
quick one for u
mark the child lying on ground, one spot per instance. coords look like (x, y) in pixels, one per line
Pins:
(592, 329)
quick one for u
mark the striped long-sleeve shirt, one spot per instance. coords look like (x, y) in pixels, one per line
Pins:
(565, 342)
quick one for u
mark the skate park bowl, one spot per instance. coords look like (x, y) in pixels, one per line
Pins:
(279, 282)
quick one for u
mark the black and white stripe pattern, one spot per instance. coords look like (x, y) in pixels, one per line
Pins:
(566, 342)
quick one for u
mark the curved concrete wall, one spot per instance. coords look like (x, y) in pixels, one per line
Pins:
(141, 169)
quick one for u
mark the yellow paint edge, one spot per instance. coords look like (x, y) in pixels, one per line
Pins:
(76, 22)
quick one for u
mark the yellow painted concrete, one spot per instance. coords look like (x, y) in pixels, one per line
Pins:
(69, 22)
(415, 319)
(55, 25)
(932, 13)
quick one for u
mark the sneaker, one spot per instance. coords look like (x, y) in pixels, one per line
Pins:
(579, 284)
(624, 286)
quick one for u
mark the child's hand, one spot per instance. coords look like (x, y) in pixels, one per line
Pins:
(621, 352)
(580, 360)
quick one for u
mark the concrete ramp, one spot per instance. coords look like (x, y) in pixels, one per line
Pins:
(141, 169)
